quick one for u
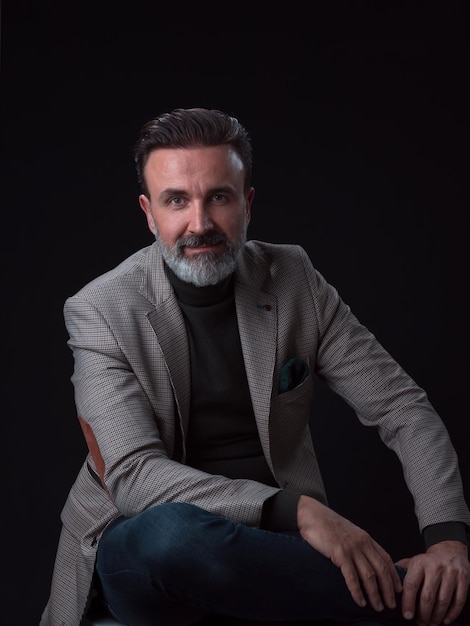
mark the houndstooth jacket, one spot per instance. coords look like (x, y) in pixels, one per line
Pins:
(132, 392)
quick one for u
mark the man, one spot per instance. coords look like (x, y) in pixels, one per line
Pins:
(194, 366)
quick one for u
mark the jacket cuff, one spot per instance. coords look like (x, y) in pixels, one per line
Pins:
(445, 531)
(280, 512)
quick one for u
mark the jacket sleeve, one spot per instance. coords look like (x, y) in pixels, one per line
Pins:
(356, 366)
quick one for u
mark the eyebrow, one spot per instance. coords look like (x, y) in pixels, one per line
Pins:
(166, 193)
(170, 191)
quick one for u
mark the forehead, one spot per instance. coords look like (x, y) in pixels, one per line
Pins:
(169, 165)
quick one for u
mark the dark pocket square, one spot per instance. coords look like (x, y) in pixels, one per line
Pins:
(294, 372)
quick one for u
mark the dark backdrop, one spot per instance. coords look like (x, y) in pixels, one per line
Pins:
(359, 120)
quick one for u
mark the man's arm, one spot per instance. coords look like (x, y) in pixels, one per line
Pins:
(354, 364)
(368, 570)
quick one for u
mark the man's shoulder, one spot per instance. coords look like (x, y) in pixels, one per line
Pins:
(128, 272)
(271, 252)
(266, 256)
(265, 264)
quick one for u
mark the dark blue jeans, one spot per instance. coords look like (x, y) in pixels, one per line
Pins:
(175, 563)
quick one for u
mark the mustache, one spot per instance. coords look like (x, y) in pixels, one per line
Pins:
(210, 238)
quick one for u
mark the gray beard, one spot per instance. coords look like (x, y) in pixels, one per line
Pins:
(205, 268)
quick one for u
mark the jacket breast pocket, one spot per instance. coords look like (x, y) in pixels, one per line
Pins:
(294, 373)
(290, 413)
(295, 389)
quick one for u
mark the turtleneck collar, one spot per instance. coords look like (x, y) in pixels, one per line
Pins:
(188, 293)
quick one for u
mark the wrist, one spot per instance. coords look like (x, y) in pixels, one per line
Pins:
(452, 545)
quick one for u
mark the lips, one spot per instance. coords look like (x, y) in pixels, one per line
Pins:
(203, 248)
(200, 241)
(198, 244)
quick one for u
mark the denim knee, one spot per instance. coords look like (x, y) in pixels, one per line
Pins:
(174, 535)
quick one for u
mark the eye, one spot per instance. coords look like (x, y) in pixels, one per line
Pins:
(219, 197)
(176, 201)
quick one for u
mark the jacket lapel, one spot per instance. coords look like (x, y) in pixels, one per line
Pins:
(168, 324)
(257, 322)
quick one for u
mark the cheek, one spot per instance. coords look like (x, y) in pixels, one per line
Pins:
(232, 225)
(169, 230)
(238, 225)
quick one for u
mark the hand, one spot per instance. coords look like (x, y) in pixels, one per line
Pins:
(363, 562)
(436, 584)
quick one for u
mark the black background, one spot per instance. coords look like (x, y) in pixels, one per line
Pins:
(359, 116)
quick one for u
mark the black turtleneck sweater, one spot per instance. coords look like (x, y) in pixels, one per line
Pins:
(222, 436)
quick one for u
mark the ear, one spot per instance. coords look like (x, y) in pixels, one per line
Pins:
(146, 208)
(249, 201)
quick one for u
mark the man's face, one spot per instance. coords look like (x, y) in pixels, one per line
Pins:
(198, 210)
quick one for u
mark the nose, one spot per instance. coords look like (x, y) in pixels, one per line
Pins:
(199, 219)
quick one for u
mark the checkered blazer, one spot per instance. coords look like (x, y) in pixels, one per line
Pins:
(132, 392)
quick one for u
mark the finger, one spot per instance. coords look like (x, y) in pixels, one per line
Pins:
(369, 580)
(411, 585)
(353, 584)
(431, 600)
(396, 580)
(458, 601)
(384, 575)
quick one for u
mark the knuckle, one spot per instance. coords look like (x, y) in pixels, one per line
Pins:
(444, 600)
(410, 585)
(362, 538)
(427, 597)
(338, 557)
(464, 574)
(350, 577)
(353, 585)
(369, 574)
